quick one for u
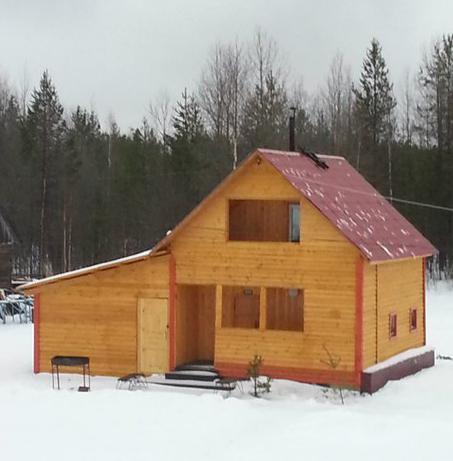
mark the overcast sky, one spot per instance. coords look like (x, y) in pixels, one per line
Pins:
(115, 56)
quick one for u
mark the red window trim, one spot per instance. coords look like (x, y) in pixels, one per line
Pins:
(412, 311)
(393, 315)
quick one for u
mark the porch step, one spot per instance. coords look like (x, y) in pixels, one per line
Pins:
(197, 366)
(192, 384)
(192, 375)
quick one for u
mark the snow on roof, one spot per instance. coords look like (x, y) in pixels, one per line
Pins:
(86, 270)
(352, 205)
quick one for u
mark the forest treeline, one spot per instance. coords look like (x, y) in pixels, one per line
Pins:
(78, 194)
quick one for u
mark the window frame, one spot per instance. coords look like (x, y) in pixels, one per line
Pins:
(393, 329)
(413, 316)
(296, 294)
(239, 291)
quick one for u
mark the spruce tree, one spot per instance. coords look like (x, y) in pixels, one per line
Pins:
(265, 121)
(188, 157)
(374, 100)
(374, 104)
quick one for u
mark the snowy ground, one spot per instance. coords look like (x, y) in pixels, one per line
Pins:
(410, 419)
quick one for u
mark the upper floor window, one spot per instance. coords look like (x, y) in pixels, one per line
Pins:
(263, 221)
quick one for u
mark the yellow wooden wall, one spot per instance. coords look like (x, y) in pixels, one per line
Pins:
(322, 264)
(96, 315)
(399, 288)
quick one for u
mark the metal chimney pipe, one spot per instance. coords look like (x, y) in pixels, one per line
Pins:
(292, 129)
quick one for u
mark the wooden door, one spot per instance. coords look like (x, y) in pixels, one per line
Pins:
(152, 344)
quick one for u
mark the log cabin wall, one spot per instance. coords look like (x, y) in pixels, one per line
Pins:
(96, 315)
(399, 289)
(322, 265)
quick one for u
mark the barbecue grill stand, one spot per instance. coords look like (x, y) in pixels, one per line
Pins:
(71, 361)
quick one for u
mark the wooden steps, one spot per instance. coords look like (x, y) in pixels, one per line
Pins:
(196, 375)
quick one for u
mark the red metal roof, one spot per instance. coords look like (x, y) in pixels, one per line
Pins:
(352, 205)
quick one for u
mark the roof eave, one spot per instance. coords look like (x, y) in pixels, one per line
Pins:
(33, 287)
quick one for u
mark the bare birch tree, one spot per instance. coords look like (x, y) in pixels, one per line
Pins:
(406, 111)
(337, 98)
(222, 90)
(160, 111)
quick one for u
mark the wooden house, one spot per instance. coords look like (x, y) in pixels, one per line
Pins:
(293, 257)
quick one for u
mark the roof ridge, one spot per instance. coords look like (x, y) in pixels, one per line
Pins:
(297, 153)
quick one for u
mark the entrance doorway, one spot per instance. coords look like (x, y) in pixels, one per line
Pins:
(195, 323)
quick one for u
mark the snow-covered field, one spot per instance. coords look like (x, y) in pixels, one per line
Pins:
(410, 419)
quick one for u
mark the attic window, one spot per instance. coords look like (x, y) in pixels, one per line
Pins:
(263, 221)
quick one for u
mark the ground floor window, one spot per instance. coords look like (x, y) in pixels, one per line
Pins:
(285, 309)
(412, 319)
(240, 307)
(392, 325)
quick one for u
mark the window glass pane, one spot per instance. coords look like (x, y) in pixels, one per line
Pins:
(294, 222)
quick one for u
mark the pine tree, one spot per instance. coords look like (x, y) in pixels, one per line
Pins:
(44, 128)
(79, 140)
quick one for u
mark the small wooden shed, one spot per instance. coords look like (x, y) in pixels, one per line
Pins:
(291, 257)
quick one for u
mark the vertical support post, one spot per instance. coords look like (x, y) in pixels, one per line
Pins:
(359, 282)
(218, 306)
(36, 333)
(424, 299)
(263, 308)
(172, 312)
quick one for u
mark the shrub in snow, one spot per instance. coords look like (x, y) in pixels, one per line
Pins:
(261, 384)
(332, 362)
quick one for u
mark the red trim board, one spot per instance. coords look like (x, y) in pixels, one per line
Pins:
(36, 332)
(172, 312)
(312, 376)
(359, 282)
(424, 298)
